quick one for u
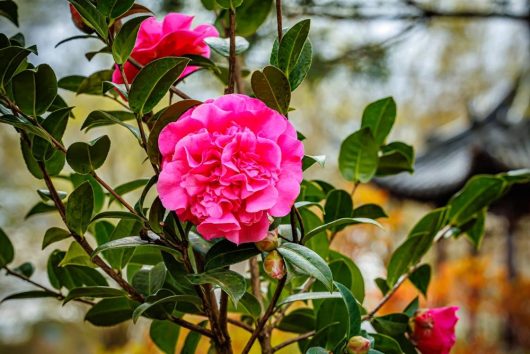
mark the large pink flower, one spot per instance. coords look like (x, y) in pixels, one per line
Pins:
(171, 37)
(227, 165)
(434, 330)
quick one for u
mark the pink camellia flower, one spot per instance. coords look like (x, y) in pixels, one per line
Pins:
(171, 37)
(229, 163)
(434, 330)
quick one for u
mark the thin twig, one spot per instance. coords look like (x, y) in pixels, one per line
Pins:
(191, 326)
(255, 281)
(231, 32)
(266, 316)
(279, 25)
(124, 78)
(293, 340)
(57, 294)
(114, 194)
(283, 310)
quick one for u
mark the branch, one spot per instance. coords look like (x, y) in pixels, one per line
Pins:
(255, 281)
(191, 326)
(231, 32)
(293, 340)
(279, 26)
(115, 194)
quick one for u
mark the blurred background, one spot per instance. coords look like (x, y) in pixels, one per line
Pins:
(459, 72)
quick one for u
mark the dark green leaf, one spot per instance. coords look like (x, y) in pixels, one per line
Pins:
(291, 46)
(131, 242)
(272, 87)
(315, 295)
(358, 156)
(475, 233)
(104, 118)
(225, 253)
(356, 282)
(40, 208)
(93, 292)
(382, 285)
(379, 116)
(32, 294)
(7, 252)
(10, 60)
(229, 4)
(251, 15)
(301, 320)
(308, 262)
(124, 42)
(93, 85)
(35, 90)
(317, 350)
(338, 205)
(71, 83)
(386, 344)
(165, 335)
(85, 158)
(192, 340)
(421, 278)
(248, 305)
(117, 214)
(92, 16)
(339, 222)
(79, 208)
(149, 281)
(9, 10)
(155, 302)
(55, 124)
(354, 315)
(111, 311)
(397, 157)
(391, 325)
(309, 161)
(302, 66)
(370, 211)
(231, 282)
(153, 81)
(222, 45)
(76, 255)
(26, 269)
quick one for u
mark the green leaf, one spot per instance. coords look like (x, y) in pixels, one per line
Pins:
(338, 205)
(339, 222)
(397, 157)
(382, 285)
(79, 208)
(26, 269)
(358, 156)
(379, 116)
(421, 277)
(54, 234)
(7, 252)
(302, 66)
(10, 60)
(169, 115)
(391, 325)
(251, 15)
(153, 81)
(116, 214)
(76, 255)
(338, 261)
(35, 90)
(93, 85)
(9, 10)
(93, 292)
(370, 211)
(127, 187)
(308, 261)
(23, 124)
(85, 158)
(225, 253)
(229, 4)
(248, 305)
(475, 233)
(165, 335)
(55, 124)
(102, 118)
(354, 315)
(291, 46)
(124, 42)
(317, 350)
(111, 311)
(315, 295)
(222, 45)
(71, 276)
(131, 242)
(300, 320)
(478, 193)
(386, 344)
(154, 303)
(149, 281)
(192, 340)
(71, 83)
(93, 17)
(32, 294)
(412, 307)
(231, 282)
(309, 161)
(272, 87)
(329, 312)
(40, 208)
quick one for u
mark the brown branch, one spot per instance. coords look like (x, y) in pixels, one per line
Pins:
(191, 326)
(231, 32)
(124, 78)
(283, 310)
(279, 26)
(114, 194)
(266, 316)
(255, 281)
(240, 324)
(57, 294)
(293, 340)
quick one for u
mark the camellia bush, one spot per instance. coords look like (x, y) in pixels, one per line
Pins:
(227, 188)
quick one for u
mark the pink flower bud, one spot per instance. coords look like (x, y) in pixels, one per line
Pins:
(274, 265)
(78, 21)
(433, 330)
(269, 243)
(358, 345)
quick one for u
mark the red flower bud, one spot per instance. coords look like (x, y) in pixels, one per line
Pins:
(433, 330)
(78, 21)
(358, 345)
(269, 243)
(274, 265)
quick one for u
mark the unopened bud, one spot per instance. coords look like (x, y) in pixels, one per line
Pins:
(78, 21)
(269, 243)
(274, 265)
(358, 345)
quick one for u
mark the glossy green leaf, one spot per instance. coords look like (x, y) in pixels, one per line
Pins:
(192, 340)
(338, 205)
(71, 276)
(71, 83)
(153, 82)
(370, 211)
(251, 15)
(317, 350)
(79, 208)
(7, 252)
(302, 66)
(272, 87)
(124, 42)
(26, 269)
(9, 10)
(93, 292)
(229, 4)
(386, 344)
(149, 281)
(155, 302)
(396, 157)
(231, 282)
(85, 158)
(32, 294)
(340, 222)
(421, 278)
(131, 242)
(354, 315)
(76, 255)
(338, 261)
(315, 295)
(222, 45)
(248, 305)
(110, 312)
(116, 214)
(93, 17)
(300, 320)
(40, 208)
(379, 116)
(55, 125)
(165, 335)
(35, 90)
(10, 60)
(358, 156)
(93, 84)
(309, 161)
(475, 233)
(392, 325)
(225, 253)
(307, 261)
(102, 118)
(291, 46)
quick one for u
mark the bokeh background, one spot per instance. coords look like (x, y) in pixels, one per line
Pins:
(445, 70)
